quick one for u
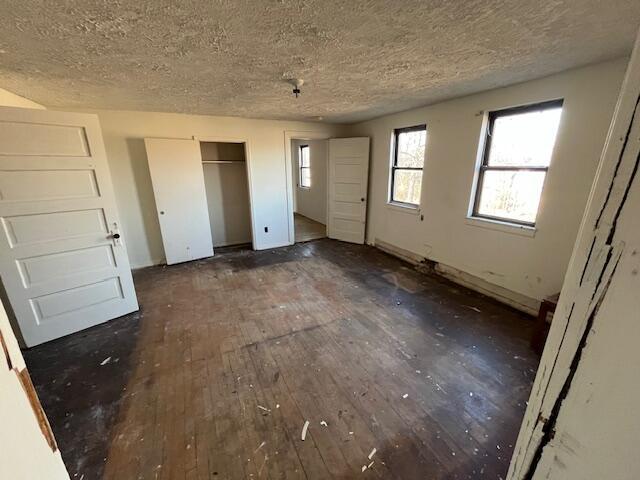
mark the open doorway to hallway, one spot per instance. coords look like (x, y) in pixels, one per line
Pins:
(310, 171)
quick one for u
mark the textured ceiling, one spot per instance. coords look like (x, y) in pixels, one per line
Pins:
(359, 59)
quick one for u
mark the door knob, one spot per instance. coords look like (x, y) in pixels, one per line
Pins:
(362, 199)
(115, 236)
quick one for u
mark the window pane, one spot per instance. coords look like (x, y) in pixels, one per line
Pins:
(406, 186)
(304, 156)
(411, 147)
(305, 177)
(524, 139)
(512, 195)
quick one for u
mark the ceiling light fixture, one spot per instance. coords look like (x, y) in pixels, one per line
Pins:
(297, 83)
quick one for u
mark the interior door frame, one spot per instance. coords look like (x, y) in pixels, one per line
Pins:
(290, 135)
(592, 265)
(247, 161)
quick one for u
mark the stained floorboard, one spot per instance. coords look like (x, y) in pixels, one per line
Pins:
(227, 358)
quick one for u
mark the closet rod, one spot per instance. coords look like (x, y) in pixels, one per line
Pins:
(223, 161)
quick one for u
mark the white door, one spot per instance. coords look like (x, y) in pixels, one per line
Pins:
(63, 261)
(348, 180)
(181, 199)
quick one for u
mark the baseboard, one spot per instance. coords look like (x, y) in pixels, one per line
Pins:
(401, 253)
(513, 299)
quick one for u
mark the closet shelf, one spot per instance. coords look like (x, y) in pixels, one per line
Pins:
(223, 161)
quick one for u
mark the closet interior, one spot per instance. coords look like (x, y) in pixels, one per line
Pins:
(227, 188)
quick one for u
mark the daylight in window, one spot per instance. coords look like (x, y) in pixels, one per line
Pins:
(305, 167)
(518, 150)
(407, 164)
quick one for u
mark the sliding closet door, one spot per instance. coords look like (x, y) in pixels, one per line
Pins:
(181, 200)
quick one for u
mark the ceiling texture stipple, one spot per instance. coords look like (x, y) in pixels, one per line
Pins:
(360, 58)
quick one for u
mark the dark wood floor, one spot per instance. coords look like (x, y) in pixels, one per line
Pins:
(228, 357)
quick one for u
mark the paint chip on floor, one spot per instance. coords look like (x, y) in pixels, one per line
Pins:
(105, 361)
(406, 395)
(303, 435)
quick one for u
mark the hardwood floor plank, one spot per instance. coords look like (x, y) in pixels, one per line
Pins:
(228, 357)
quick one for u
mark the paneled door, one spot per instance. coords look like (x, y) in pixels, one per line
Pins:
(348, 183)
(63, 260)
(181, 199)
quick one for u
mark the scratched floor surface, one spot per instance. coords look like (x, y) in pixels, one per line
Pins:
(228, 357)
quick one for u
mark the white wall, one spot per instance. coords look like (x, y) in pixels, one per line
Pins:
(312, 202)
(25, 453)
(532, 267)
(9, 99)
(124, 132)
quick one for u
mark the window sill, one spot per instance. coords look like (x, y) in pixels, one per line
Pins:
(506, 227)
(404, 208)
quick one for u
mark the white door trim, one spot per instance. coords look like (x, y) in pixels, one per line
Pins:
(290, 135)
(593, 263)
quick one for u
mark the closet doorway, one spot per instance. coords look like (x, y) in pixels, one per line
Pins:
(227, 187)
(202, 195)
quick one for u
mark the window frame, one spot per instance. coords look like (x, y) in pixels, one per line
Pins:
(301, 168)
(394, 164)
(484, 164)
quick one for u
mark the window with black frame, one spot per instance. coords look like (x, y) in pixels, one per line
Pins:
(517, 152)
(305, 167)
(407, 164)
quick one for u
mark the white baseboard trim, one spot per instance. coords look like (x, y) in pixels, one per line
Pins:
(513, 299)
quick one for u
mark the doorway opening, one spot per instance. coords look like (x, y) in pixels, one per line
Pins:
(227, 190)
(310, 200)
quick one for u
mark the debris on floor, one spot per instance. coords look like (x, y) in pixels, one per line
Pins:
(303, 435)
(105, 361)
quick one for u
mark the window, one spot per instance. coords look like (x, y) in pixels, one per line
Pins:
(517, 151)
(406, 165)
(305, 167)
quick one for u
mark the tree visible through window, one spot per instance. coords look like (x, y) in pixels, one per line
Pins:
(407, 164)
(305, 167)
(518, 146)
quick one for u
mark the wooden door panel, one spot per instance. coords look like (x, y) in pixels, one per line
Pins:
(181, 200)
(348, 183)
(62, 267)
